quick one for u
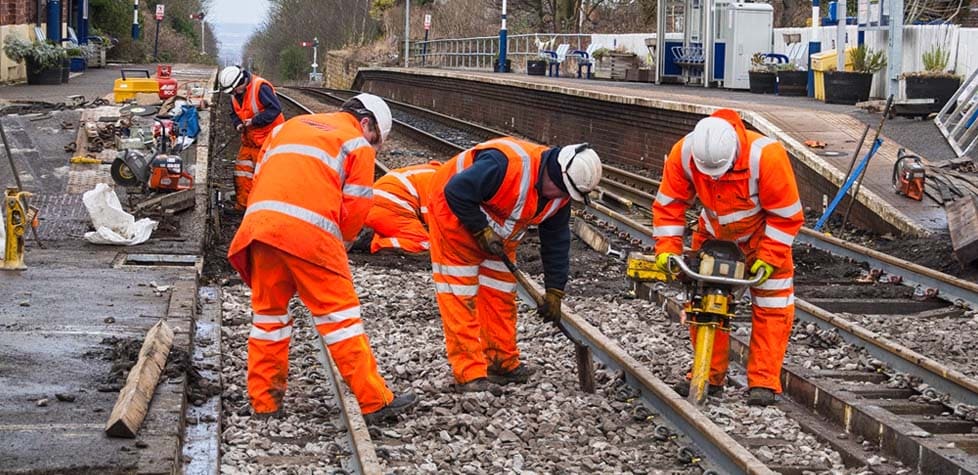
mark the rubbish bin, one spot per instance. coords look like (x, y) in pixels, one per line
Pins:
(826, 61)
(536, 67)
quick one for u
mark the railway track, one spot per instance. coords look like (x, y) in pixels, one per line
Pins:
(910, 423)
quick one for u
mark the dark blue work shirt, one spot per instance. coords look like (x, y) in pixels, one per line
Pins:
(478, 183)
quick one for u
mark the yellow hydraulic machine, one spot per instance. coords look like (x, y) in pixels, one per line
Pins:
(17, 218)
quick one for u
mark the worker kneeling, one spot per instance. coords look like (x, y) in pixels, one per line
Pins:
(312, 192)
(482, 202)
(750, 197)
(399, 217)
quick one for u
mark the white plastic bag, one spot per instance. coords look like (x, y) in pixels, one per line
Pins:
(112, 224)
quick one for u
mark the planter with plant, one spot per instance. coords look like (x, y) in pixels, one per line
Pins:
(44, 60)
(935, 81)
(851, 87)
(791, 80)
(76, 58)
(763, 78)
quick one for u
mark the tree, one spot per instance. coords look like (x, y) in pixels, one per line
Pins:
(292, 63)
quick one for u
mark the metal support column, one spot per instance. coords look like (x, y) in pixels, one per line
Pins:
(814, 45)
(502, 42)
(407, 31)
(894, 53)
(660, 40)
(840, 35)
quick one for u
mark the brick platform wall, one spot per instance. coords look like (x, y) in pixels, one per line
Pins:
(16, 12)
(339, 70)
(625, 135)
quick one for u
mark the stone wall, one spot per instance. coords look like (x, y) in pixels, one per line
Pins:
(340, 69)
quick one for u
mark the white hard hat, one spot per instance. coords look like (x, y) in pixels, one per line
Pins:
(382, 113)
(229, 78)
(715, 146)
(580, 167)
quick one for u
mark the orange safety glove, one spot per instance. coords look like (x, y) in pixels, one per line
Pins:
(761, 265)
(550, 310)
(490, 242)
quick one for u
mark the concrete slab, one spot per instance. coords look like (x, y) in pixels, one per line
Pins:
(792, 120)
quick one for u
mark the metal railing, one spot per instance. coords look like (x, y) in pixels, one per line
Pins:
(481, 53)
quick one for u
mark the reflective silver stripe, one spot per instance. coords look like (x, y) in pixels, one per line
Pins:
(778, 235)
(506, 230)
(456, 289)
(787, 211)
(707, 223)
(773, 302)
(455, 271)
(460, 161)
(360, 191)
(663, 199)
(299, 213)
(337, 317)
(277, 129)
(668, 231)
(686, 156)
(243, 173)
(255, 89)
(737, 215)
(337, 336)
(401, 177)
(283, 333)
(395, 242)
(245, 163)
(334, 163)
(424, 210)
(552, 209)
(500, 285)
(283, 319)
(393, 199)
(776, 284)
(425, 244)
(755, 163)
(495, 265)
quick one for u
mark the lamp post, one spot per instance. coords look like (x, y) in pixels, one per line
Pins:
(501, 68)
(407, 31)
(135, 19)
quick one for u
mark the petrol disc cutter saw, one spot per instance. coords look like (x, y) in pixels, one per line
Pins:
(158, 171)
(713, 281)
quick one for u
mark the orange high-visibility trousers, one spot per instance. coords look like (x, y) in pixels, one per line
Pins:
(476, 296)
(772, 314)
(396, 228)
(332, 300)
(244, 170)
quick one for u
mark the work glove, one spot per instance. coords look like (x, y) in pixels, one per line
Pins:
(758, 265)
(662, 262)
(490, 242)
(550, 310)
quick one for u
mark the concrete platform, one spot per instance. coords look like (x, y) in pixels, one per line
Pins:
(791, 120)
(59, 317)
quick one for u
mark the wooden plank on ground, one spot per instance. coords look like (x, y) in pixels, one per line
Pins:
(177, 201)
(962, 222)
(133, 403)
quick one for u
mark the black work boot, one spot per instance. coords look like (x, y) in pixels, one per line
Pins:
(520, 375)
(399, 405)
(682, 388)
(760, 397)
(363, 240)
(478, 385)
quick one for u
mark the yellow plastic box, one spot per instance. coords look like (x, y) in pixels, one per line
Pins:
(126, 88)
(826, 61)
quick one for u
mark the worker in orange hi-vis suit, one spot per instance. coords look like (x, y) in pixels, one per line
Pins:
(482, 201)
(255, 112)
(312, 193)
(749, 196)
(399, 217)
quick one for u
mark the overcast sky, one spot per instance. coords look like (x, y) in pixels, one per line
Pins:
(238, 11)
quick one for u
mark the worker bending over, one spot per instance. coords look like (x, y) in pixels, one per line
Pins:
(255, 112)
(399, 217)
(312, 193)
(482, 202)
(749, 196)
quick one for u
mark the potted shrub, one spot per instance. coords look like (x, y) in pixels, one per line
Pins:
(935, 81)
(850, 87)
(791, 80)
(76, 57)
(44, 60)
(763, 79)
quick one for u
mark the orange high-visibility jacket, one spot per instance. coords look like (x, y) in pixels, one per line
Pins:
(312, 191)
(250, 106)
(407, 189)
(755, 203)
(514, 206)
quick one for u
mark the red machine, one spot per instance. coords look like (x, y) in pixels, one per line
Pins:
(167, 85)
(157, 172)
(909, 176)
